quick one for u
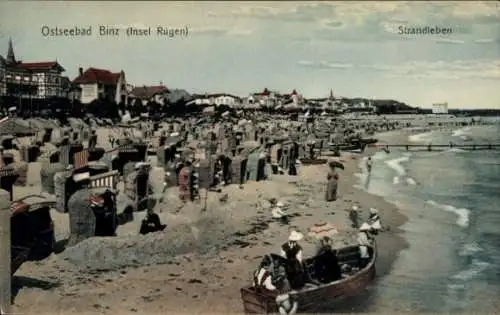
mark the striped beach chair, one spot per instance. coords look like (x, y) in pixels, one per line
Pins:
(105, 180)
(81, 159)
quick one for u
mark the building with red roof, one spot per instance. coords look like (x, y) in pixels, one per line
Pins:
(97, 84)
(264, 98)
(37, 80)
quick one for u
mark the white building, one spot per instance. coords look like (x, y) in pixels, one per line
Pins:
(101, 84)
(217, 99)
(440, 108)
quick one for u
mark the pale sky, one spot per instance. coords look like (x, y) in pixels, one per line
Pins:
(243, 47)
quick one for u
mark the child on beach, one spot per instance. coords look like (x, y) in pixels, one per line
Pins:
(354, 217)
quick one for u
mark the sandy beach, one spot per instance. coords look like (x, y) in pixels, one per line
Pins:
(213, 253)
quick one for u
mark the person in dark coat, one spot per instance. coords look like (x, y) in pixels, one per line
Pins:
(327, 267)
(151, 223)
(292, 251)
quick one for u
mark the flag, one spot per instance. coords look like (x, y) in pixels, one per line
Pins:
(81, 159)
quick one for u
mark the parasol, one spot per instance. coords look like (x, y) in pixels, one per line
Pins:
(336, 163)
(320, 230)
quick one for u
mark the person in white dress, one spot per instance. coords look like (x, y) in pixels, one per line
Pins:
(365, 241)
(374, 221)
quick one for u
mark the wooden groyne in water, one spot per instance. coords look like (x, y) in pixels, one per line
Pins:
(439, 147)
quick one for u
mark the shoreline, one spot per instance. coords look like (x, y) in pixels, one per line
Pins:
(200, 283)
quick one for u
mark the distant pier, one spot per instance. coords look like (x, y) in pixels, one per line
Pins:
(439, 147)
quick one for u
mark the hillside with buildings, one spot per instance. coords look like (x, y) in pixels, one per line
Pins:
(36, 86)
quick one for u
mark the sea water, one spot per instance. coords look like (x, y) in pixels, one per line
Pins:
(452, 201)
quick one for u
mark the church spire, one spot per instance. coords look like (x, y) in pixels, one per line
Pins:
(11, 58)
(331, 94)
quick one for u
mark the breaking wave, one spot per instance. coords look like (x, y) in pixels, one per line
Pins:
(470, 249)
(477, 266)
(395, 164)
(462, 213)
(410, 181)
(420, 137)
(460, 132)
(456, 150)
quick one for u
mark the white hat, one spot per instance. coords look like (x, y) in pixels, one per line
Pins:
(295, 236)
(365, 227)
(355, 208)
(138, 165)
(280, 204)
(373, 211)
(177, 156)
(81, 177)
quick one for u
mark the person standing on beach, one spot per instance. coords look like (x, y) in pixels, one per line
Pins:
(354, 216)
(369, 164)
(332, 184)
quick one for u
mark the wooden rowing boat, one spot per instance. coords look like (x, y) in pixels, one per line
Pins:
(313, 161)
(313, 296)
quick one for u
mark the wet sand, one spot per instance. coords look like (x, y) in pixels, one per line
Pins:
(208, 280)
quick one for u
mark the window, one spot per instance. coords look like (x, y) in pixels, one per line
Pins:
(88, 91)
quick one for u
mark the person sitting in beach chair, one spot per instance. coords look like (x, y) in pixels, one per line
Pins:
(365, 242)
(151, 223)
(326, 265)
(292, 251)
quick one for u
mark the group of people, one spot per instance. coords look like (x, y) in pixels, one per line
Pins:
(288, 272)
